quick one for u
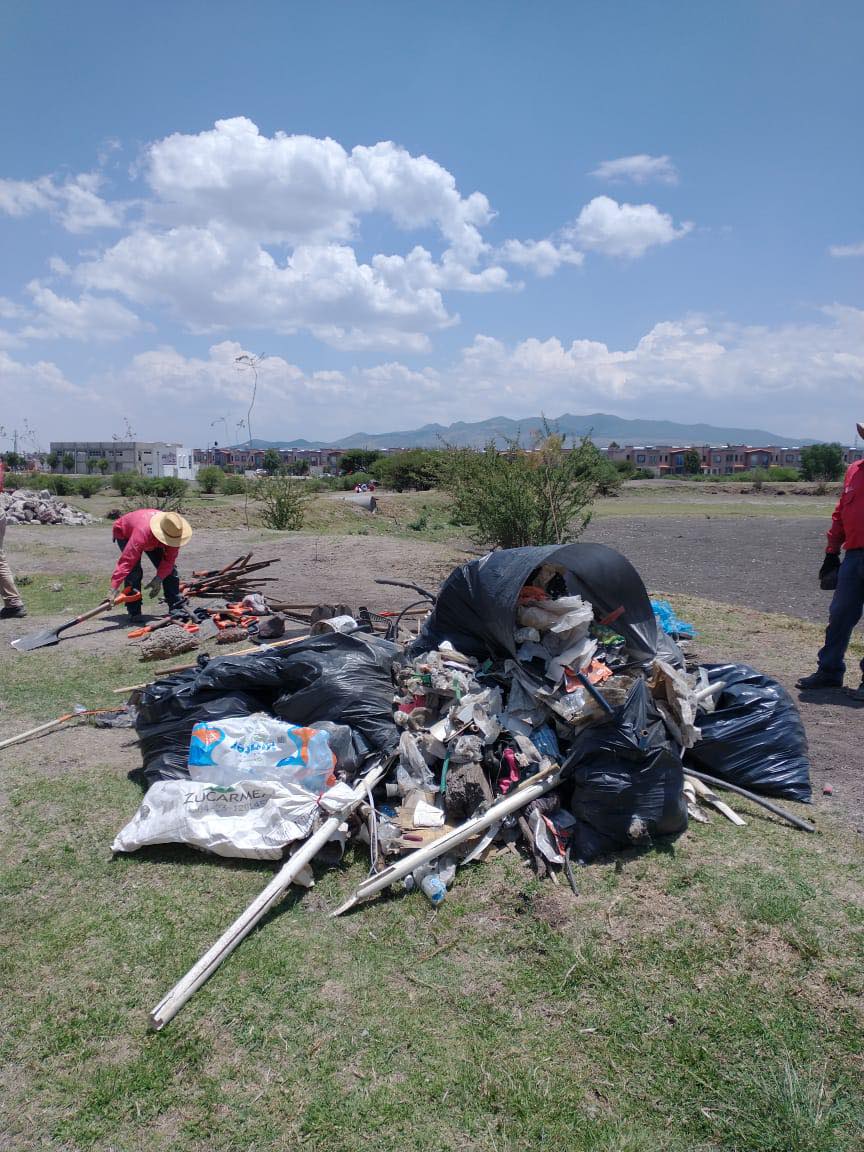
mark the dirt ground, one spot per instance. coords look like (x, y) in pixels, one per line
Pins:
(762, 565)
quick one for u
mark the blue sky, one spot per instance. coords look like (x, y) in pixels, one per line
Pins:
(429, 213)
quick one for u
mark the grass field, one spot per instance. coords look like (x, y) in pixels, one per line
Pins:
(702, 996)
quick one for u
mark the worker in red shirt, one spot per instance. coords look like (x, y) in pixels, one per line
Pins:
(13, 606)
(159, 536)
(847, 578)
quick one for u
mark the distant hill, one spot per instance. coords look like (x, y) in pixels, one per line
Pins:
(601, 427)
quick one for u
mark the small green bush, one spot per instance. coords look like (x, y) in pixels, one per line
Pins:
(88, 486)
(209, 478)
(282, 503)
(232, 485)
(126, 483)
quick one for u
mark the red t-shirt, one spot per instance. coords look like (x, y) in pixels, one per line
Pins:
(134, 528)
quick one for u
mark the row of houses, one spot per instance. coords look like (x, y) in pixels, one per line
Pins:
(320, 461)
(714, 460)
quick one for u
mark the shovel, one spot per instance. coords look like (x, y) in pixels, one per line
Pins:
(52, 636)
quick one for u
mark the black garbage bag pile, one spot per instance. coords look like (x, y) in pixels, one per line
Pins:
(532, 659)
(341, 679)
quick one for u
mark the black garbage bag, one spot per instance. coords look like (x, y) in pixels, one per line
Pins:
(168, 711)
(476, 607)
(755, 737)
(627, 780)
(345, 679)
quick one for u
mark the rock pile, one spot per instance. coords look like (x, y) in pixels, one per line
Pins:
(24, 506)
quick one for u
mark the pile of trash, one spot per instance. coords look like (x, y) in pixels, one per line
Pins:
(540, 707)
(24, 506)
(537, 668)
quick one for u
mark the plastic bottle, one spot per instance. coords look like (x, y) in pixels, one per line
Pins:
(433, 888)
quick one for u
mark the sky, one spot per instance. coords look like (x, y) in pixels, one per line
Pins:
(378, 215)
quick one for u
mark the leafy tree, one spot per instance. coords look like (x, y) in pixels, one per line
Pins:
(68, 461)
(272, 462)
(822, 462)
(52, 459)
(209, 478)
(358, 459)
(104, 466)
(15, 461)
(415, 469)
(516, 498)
(692, 462)
(298, 468)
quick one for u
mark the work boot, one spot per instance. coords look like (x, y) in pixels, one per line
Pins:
(820, 679)
(13, 612)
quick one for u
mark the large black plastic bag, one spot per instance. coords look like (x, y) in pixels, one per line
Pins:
(476, 607)
(755, 737)
(341, 678)
(627, 780)
(168, 711)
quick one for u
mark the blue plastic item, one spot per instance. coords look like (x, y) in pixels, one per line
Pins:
(669, 622)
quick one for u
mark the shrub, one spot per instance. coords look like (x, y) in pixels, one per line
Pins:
(417, 469)
(358, 459)
(88, 486)
(126, 483)
(209, 478)
(232, 485)
(283, 503)
(171, 486)
(516, 498)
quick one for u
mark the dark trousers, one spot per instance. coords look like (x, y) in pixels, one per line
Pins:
(847, 605)
(170, 585)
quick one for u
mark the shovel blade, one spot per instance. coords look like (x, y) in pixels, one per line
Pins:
(37, 640)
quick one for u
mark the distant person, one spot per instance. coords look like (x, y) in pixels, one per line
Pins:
(847, 578)
(159, 536)
(13, 606)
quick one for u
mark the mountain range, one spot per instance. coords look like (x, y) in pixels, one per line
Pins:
(601, 427)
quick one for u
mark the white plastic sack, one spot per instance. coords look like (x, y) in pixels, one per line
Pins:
(254, 819)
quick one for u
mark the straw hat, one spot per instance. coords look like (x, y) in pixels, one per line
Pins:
(171, 529)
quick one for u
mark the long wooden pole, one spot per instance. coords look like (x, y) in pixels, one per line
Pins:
(53, 724)
(184, 989)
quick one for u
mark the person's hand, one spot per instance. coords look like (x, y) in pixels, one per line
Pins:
(113, 593)
(154, 587)
(828, 571)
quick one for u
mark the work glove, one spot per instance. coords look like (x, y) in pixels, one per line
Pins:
(154, 587)
(828, 571)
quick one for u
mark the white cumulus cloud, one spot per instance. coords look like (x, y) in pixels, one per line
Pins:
(638, 169)
(76, 203)
(842, 250)
(626, 230)
(87, 318)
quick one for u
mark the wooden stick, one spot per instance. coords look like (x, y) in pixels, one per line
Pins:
(184, 989)
(53, 724)
(529, 790)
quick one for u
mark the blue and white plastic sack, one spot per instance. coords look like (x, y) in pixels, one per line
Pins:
(259, 747)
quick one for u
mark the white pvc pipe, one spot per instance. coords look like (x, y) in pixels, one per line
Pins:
(184, 989)
(511, 803)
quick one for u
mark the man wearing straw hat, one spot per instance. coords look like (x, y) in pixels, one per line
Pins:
(159, 536)
(847, 578)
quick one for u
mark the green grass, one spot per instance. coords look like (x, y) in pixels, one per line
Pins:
(702, 997)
